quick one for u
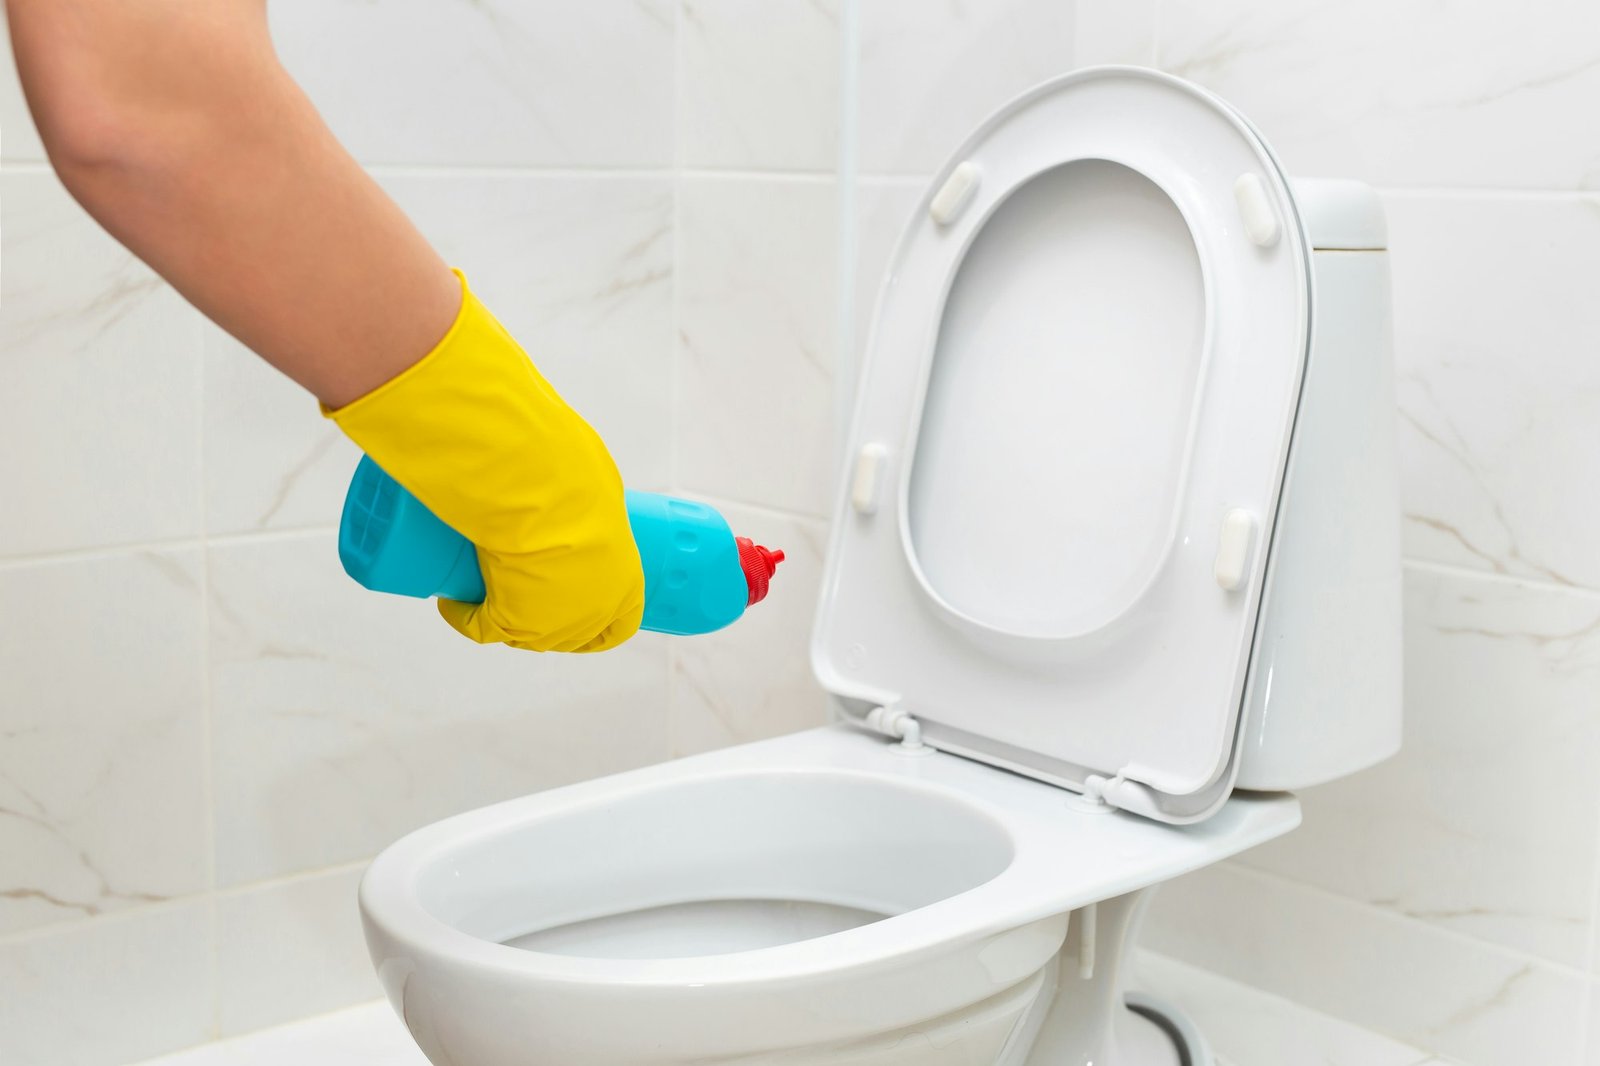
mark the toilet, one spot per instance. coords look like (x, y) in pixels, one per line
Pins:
(1114, 568)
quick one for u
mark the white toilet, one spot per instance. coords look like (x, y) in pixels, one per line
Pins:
(1115, 565)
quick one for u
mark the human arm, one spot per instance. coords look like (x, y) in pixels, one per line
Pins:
(174, 125)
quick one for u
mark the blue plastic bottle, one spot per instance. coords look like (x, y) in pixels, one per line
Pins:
(698, 576)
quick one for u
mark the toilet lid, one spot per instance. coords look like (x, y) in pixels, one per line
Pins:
(1070, 437)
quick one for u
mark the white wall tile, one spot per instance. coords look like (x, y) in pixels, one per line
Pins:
(929, 73)
(18, 138)
(579, 270)
(1249, 1027)
(1502, 682)
(271, 460)
(1495, 331)
(99, 384)
(760, 84)
(1115, 31)
(506, 82)
(344, 719)
(1405, 93)
(753, 680)
(362, 1036)
(1592, 1057)
(756, 336)
(1440, 991)
(102, 758)
(109, 991)
(291, 949)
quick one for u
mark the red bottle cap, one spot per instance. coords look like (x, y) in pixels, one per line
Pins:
(758, 564)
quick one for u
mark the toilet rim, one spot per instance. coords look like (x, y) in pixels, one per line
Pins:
(1061, 860)
(390, 898)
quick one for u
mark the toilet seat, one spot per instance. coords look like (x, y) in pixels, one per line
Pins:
(1072, 428)
(1004, 855)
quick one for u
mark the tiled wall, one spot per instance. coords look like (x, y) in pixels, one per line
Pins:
(205, 728)
(1449, 896)
(683, 208)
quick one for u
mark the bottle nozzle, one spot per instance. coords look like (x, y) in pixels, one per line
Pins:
(758, 564)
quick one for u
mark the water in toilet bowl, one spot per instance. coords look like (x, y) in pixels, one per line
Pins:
(685, 930)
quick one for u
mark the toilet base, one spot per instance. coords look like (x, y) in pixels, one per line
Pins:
(1087, 1019)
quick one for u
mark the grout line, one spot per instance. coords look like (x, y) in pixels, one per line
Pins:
(677, 484)
(798, 177)
(174, 544)
(490, 170)
(675, 417)
(289, 879)
(846, 359)
(1496, 577)
(1328, 895)
(124, 914)
(214, 966)
(1589, 1031)
(208, 768)
(219, 1049)
(394, 170)
(889, 181)
(207, 898)
(765, 510)
(1469, 192)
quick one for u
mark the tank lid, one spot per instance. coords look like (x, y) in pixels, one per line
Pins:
(1340, 215)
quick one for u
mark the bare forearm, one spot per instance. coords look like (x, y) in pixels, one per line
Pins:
(174, 125)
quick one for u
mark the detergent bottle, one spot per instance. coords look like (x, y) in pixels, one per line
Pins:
(698, 577)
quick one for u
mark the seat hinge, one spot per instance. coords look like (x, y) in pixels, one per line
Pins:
(895, 722)
(1098, 795)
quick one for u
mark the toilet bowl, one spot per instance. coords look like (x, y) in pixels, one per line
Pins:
(1114, 567)
(823, 897)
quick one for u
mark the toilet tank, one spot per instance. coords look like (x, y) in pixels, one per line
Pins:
(1324, 691)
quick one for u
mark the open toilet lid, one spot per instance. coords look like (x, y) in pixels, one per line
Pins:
(1070, 439)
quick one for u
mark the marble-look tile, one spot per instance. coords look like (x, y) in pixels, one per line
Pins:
(1592, 1050)
(18, 139)
(99, 384)
(1115, 31)
(345, 718)
(1502, 682)
(1495, 333)
(291, 949)
(757, 330)
(1437, 990)
(753, 680)
(491, 82)
(579, 270)
(369, 1035)
(1592, 1034)
(929, 73)
(1248, 1027)
(102, 757)
(1399, 92)
(109, 991)
(760, 84)
(271, 460)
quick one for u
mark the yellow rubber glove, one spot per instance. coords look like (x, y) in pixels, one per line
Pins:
(477, 434)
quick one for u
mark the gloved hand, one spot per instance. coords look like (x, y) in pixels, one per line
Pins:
(477, 434)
